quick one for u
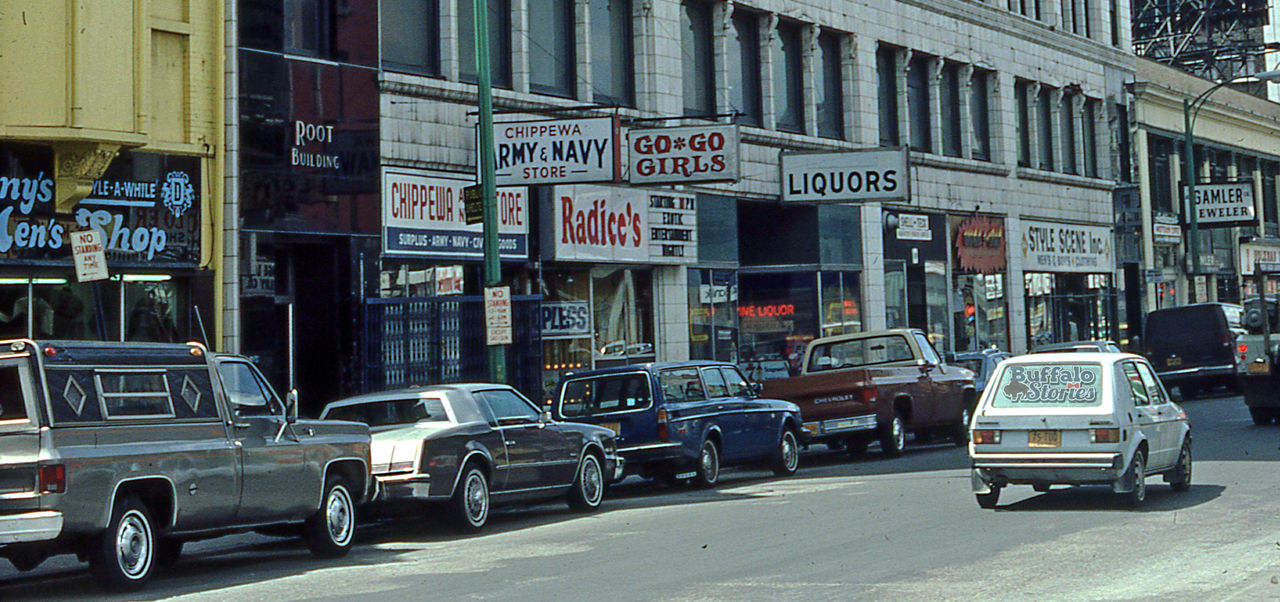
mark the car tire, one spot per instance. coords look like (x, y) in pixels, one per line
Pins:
(1261, 416)
(469, 507)
(330, 531)
(1180, 476)
(988, 501)
(708, 470)
(786, 459)
(122, 557)
(961, 433)
(588, 486)
(893, 436)
(1138, 470)
(856, 446)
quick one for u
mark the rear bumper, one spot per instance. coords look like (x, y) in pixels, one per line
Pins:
(1194, 373)
(402, 487)
(632, 459)
(29, 527)
(1061, 468)
(835, 428)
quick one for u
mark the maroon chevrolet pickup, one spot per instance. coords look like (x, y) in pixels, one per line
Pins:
(855, 388)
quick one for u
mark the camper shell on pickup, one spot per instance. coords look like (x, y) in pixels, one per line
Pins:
(120, 452)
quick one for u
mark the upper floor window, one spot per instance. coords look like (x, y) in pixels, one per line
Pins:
(1122, 143)
(1067, 115)
(306, 27)
(411, 35)
(918, 103)
(1022, 120)
(1089, 134)
(612, 62)
(697, 59)
(499, 42)
(1044, 117)
(887, 94)
(949, 105)
(552, 60)
(830, 87)
(979, 113)
(744, 68)
(1026, 8)
(788, 78)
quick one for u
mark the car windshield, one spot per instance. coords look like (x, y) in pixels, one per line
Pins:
(1049, 385)
(974, 364)
(392, 411)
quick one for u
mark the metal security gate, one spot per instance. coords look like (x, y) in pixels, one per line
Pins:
(433, 340)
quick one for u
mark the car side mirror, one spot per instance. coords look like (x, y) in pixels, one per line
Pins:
(757, 389)
(545, 418)
(291, 407)
(949, 357)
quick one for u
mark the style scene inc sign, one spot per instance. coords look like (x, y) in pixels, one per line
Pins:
(556, 152)
(88, 254)
(1224, 205)
(424, 215)
(673, 227)
(1049, 247)
(878, 174)
(602, 223)
(684, 154)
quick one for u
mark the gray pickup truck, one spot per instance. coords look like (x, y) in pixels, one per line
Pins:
(121, 452)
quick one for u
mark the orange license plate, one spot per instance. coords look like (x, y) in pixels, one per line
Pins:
(1174, 361)
(1044, 439)
(1259, 368)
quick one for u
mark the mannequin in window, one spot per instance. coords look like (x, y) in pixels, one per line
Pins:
(16, 320)
(150, 319)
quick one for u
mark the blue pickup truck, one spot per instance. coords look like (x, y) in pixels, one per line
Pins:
(681, 421)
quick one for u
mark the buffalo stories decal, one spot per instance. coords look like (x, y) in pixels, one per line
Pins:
(1050, 385)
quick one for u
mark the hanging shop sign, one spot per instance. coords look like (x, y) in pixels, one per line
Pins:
(424, 215)
(979, 243)
(565, 319)
(1225, 205)
(878, 174)
(1051, 247)
(1252, 254)
(601, 223)
(683, 154)
(913, 226)
(1166, 231)
(673, 227)
(561, 151)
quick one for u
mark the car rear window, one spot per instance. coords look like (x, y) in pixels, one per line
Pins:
(392, 411)
(859, 352)
(1049, 386)
(605, 394)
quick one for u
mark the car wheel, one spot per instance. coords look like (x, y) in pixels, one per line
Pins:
(588, 486)
(988, 500)
(708, 473)
(1180, 477)
(123, 557)
(961, 434)
(893, 436)
(787, 458)
(330, 531)
(470, 504)
(856, 446)
(1138, 471)
(1261, 416)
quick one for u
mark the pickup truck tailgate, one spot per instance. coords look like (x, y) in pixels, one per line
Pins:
(829, 402)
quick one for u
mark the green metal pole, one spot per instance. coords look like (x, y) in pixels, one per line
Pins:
(488, 186)
(1189, 185)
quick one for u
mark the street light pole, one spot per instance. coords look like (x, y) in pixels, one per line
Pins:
(488, 185)
(1191, 110)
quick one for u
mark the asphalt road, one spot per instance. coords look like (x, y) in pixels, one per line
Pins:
(872, 528)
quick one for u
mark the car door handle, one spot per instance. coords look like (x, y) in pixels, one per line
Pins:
(242, 425)
(509, 442)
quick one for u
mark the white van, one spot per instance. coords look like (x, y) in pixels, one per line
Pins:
(1078, 419)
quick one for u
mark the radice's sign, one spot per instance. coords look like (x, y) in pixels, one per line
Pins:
(601, 223)
(556, 152)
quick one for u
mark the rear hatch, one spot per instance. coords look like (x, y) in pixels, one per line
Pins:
(620, 401)
(1046, 408)
(19, 438)
(1188, 337)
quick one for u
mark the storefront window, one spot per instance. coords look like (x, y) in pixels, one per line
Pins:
(713, 315)
(1069, 307)
(841, 303)
(595, 318)
(776, 318)
(979, 312)
(54, 307)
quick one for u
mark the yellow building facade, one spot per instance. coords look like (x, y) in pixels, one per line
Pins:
(111, 122)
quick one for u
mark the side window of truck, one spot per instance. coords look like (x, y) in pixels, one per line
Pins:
(246, 394)
(13, 405)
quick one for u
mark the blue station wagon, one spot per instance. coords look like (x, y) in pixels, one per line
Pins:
(681, 421)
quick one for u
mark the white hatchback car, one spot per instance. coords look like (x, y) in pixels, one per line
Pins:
(1079, 419)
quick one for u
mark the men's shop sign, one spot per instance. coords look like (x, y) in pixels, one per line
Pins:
(146, 207)
(1049, 247)
(684, 154)
(556, 152)
(423, 215)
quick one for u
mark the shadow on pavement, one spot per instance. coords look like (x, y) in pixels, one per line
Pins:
(1160, 498)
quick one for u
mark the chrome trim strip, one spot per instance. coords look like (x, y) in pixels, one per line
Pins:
(1195, 370)
(504, 492)
(631, 448)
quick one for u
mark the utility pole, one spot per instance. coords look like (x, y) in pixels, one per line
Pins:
(488, 186)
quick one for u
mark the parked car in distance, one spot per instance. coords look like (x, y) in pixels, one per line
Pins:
(878, 384)
(1079, 346)
(1079, 419)
(981, 364)
(681, 421)
(1193, 347)
(465, 445)
(122, 452)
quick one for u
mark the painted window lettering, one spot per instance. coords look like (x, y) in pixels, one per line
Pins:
(1049, 385)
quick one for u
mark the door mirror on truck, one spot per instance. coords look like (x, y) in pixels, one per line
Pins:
(291, 407)
(756, 389)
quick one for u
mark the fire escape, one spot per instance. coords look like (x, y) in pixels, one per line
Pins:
(1214, 39)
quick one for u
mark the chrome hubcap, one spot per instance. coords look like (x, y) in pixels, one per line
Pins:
(790, 451)
(592, 481)
(899, 436)
(338, 515)
(477, 498)
(710, 464)
(133, 545)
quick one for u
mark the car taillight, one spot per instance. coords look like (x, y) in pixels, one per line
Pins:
(869, 394)
(662, 424)
(53, 478)
(1242, 348)
(1226, 341)
(986, 436)
(1104, 435)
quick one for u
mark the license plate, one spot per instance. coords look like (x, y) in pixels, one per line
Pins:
(845, 424)
(613, 426)
(1258, 368)
(1174, 361)
(1044, 439)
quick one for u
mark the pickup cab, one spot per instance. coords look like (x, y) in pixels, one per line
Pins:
(878, 385)
(121, 452)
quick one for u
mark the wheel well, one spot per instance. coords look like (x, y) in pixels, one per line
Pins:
(480, 460)
(155, 493)
(595, 450)
(714, 435)
(902, 405)
(352, 472)
(971, 398)
(790, 423)
(1142, 446)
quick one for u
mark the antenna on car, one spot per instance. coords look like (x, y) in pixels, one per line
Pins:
(200, 322)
